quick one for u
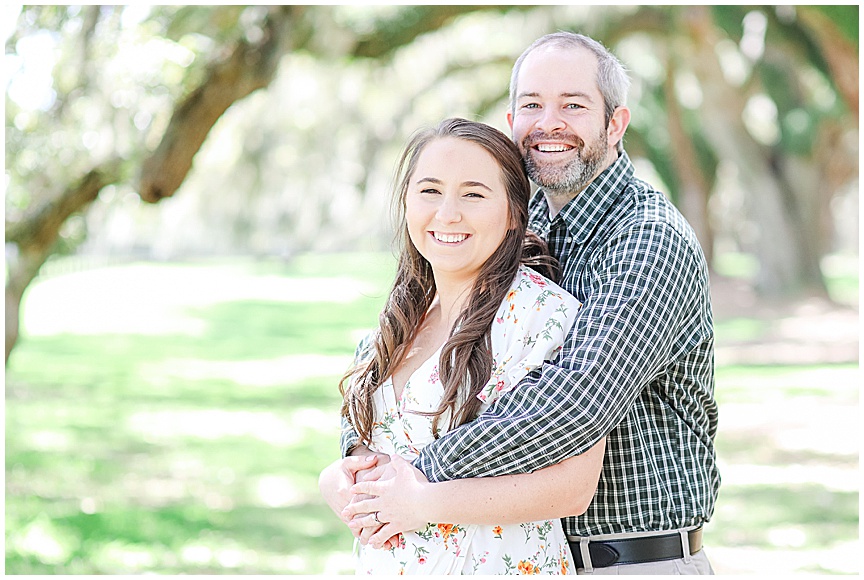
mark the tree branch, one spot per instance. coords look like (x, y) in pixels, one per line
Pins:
(840, 54)
(41, 227)
(410, 22)
(251, 66)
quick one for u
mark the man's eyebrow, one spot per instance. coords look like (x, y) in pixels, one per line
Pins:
(577, 95)
(566, 95)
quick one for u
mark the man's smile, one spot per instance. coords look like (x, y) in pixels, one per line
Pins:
(552, 147)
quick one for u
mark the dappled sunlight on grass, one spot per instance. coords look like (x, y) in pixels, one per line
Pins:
(842, 558)
(152, 298)
(833, 478)
(279, 491)
(149, 450)
(45, 440)
(43, 540)
(122, 556)
(264, 426)
(828, 383)
(272, 372)
(788, 447)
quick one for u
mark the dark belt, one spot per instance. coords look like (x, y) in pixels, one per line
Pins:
(606, 553)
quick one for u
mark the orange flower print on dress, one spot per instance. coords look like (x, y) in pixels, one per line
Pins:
(565, 563)
(497, 531)
(525, 568)
(447, 530)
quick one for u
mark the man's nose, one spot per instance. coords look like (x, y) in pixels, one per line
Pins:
(551, 120)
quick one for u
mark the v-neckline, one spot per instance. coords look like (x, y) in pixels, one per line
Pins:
(401, 394)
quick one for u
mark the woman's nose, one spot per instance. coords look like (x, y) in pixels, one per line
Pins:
(448, 211)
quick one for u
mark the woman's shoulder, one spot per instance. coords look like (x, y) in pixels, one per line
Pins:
(529, 285)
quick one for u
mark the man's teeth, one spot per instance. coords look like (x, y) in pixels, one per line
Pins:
(552, 148)
(450, 238)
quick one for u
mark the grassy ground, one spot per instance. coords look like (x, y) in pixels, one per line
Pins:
(173, 419)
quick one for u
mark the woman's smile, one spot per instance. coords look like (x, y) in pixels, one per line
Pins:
(450, 239)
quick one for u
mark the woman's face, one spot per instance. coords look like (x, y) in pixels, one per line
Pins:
(456, 207)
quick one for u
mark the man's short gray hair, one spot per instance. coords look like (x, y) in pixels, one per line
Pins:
(612, 78)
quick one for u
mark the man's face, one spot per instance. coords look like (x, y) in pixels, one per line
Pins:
(558, 119)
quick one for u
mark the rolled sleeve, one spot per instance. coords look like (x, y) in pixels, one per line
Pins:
(349, 438)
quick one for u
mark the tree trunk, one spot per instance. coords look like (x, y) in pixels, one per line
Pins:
(34, 238)
(786, 263)
(694, 186)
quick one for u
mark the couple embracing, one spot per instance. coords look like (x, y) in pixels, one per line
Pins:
(538, 395)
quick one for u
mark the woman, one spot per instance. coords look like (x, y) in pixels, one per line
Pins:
(465, 321)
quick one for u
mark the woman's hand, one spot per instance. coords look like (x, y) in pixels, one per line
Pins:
(396, 501)
(336, 480)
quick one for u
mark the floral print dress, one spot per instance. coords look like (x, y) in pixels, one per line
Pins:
(528, 329)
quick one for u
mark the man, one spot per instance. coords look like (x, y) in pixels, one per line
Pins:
(638, 365)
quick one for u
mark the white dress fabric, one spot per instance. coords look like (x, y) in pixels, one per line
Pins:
(529, 328)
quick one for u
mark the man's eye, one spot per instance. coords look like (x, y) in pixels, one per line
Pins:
(530, 106)
(574, 106)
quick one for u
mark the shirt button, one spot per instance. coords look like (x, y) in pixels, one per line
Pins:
(568, 239)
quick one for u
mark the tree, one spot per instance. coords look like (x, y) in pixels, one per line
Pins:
(764, 80)
(249, 66)
(242, 51)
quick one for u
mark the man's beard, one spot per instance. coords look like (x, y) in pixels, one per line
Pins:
(573, 177)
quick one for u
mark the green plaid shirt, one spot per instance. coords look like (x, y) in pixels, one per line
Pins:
(638, 366)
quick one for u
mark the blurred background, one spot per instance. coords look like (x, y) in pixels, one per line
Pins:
(197, 232)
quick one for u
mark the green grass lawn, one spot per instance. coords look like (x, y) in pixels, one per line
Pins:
(184, 452)
(173, 419)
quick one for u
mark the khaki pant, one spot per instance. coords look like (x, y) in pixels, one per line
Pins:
(698, 565)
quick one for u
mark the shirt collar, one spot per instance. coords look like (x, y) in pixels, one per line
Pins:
(582, 213)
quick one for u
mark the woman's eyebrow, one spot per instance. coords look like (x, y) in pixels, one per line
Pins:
(476, 184)
(464, 183)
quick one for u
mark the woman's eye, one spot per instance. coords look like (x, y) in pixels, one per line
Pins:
(474, 195)
(429, 190)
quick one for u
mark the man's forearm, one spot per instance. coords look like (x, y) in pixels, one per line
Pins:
(517, 435)
(560, 490)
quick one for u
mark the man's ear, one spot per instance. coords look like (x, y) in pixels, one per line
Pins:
(510, 119)
(618, 125)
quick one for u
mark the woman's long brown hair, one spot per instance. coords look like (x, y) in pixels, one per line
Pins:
(466, 358)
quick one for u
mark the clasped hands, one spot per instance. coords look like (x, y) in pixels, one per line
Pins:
(377, 496)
